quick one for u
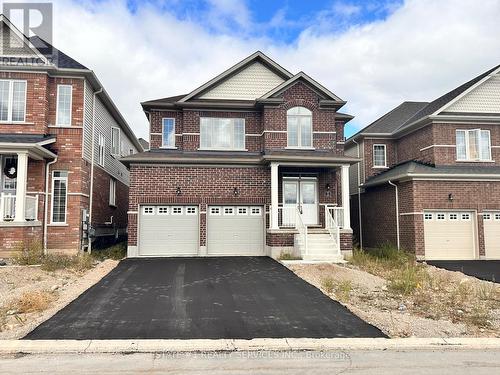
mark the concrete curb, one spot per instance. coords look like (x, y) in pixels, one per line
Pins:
(202, 345)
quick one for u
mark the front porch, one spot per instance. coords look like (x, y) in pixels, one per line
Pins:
(305, 213)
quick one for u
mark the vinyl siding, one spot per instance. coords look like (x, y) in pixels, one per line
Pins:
(353, 170)
(87, 122)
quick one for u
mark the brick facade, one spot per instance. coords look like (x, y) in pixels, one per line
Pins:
(40, 119)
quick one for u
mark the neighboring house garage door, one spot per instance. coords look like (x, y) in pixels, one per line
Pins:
(235, 230)
(168, 231)
(491, 221)
(449, 235)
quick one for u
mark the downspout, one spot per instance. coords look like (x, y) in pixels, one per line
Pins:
(359, 198)
(397, 212)
(46, 205)
(92, 166)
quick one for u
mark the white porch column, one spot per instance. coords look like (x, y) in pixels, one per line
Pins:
(344, 185)
(274, 196)
(21, 182)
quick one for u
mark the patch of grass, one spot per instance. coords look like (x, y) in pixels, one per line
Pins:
(407, 279)
(116, 252)
(342, 289)
(28, 254)
(328, 285)
(32, 301)
(288, 256)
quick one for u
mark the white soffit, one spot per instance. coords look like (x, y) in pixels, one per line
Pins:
(483, 99)
(249, 84)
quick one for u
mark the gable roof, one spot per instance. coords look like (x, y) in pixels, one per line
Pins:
(255, 57)
(392, 119)
(54, 55)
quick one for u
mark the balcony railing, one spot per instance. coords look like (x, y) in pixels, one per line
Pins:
(337, 213)
(8, 207)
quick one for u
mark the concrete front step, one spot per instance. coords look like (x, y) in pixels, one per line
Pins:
(324, 257)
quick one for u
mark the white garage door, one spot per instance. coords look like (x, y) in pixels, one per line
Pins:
(168, 231)
(235, 230)
(491, 222)
(449, 235)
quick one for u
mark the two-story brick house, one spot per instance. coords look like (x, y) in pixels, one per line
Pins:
(250, 163)
(429, 179)
(60, 140)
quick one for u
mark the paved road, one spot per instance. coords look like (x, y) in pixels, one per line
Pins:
(351, 362)
(183, 298)
(482, 269)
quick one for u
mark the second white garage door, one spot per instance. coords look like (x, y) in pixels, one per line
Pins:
(491, 222)
(235, 230)
(168, 231)
(449, 235)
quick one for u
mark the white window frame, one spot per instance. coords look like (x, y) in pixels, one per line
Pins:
(217, 147)
(53, 197)
(145, 210)
(468, 218)
(188, 208)
(245, 213)
(385, 155)
(115, 148)
(258, 213)
(496, 216)
(227, 213)
(215, 211)
(440, 216)
(101, 150)
(175, 208)
(58, 122)
(467, 145)
(164, 142)
(299, 129)
(486, 216)
(163, 208)
(453, 216)
(10, 101)
(428, 216)
(112, 192)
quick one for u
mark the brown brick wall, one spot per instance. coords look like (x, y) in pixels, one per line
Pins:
(391, 155)
(12, 238)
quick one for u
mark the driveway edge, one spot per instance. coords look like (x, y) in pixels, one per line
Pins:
(202, 345)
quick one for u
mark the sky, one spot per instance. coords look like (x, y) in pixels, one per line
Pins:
(374, 54)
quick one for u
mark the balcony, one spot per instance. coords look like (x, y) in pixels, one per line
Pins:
(8, 207)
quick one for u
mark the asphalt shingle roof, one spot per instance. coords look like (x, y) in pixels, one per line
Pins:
(24, 138)
(60, 59)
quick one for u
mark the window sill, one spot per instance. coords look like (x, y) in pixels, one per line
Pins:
(385, 167)
(223, 149)
(16, 123)
(58, 225)
(475, 161)
(112, 205)
(64, 127)
(168, 147)
(299, 148)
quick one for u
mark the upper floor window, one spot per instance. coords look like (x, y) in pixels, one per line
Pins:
(12, 101)
(299, 127)
(168, 132)
(379, 156)
(222, 133)
(101, 149)
(473, 145)
(64, 98)
(115, 141)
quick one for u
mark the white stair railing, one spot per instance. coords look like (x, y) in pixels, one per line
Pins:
(302, 229)
(332, 226)
(286, 216)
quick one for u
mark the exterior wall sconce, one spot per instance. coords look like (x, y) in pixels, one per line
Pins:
(178, 190)
(236, 192)
(450, 197)
(328, 188)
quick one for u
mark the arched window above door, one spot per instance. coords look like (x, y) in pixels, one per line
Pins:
(299, 127)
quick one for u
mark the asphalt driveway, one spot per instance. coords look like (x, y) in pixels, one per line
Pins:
(482, 269)
(187, 298)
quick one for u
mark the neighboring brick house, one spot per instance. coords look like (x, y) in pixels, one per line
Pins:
(247, 164)
(442, 162)
(58, 128)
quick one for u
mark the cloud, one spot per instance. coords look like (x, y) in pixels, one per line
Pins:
(417, 51)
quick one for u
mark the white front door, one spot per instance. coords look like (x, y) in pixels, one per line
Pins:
(301, 194)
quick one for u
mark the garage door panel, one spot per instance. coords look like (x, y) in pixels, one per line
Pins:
(163, 233)
(233, 230)
(491, 223)
(449, 235)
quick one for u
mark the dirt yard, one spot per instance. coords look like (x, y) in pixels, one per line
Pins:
(442, 303)
(30, 295)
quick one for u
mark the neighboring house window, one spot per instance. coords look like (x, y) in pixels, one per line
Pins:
(473, 145)
(115, 141)
(12, 101)
(63, 114)
(59, 196)
(299, 127)
(100, 154)
(112, 192)
(168, 132)
(131, 151)
(222, 133)
(379, 156)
